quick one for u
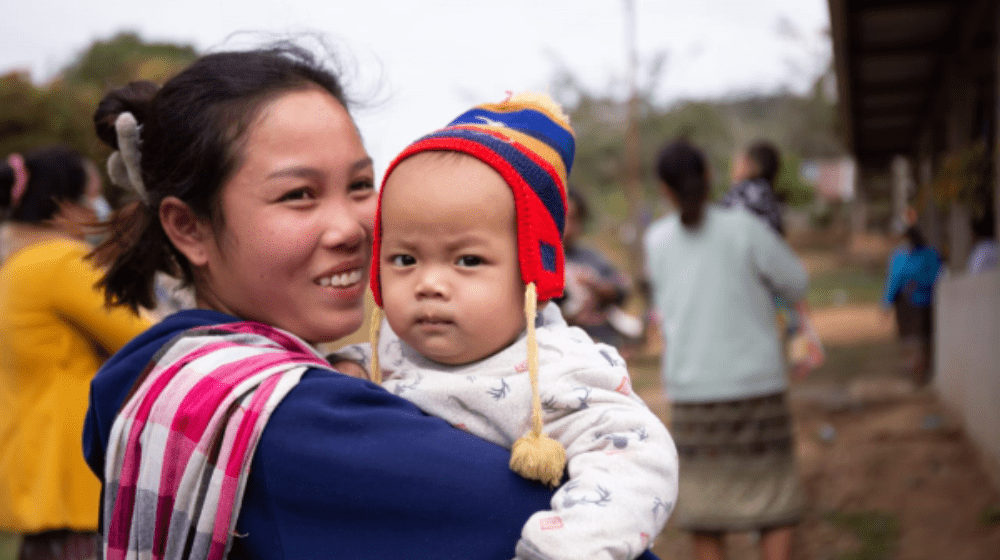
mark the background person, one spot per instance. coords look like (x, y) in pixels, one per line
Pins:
(754, 172)
(595, 288)
(55, 332)
(714, 273)
(909, 288)
(985, 248)
(257, 190)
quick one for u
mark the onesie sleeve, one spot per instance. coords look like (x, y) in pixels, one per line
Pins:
(622, 467)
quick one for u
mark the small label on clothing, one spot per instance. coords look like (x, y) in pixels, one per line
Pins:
(552, 523)
(625, 387)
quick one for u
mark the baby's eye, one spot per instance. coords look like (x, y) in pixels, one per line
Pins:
(402, 260)
(469, 260)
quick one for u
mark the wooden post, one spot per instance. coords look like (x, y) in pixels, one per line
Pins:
(960, 107)
(633, 190)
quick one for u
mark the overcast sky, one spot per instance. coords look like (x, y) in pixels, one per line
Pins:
(426, 61)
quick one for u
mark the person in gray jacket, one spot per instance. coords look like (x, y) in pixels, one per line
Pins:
(714, 274)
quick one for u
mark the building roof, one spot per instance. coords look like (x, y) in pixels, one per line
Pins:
(894, 61)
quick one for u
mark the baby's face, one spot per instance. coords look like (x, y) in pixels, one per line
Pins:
(743, 167)
(451, 283)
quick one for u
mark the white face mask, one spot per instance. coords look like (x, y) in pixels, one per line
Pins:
(101, 207)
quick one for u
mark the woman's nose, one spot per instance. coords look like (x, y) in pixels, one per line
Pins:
(343, 229)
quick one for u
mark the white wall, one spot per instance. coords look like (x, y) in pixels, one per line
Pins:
(967, 357)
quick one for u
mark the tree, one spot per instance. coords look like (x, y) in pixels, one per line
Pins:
(124, 58)
(33, 117)
(802, 126)
(61, 112)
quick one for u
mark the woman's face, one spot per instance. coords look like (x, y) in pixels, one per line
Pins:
(296, 241)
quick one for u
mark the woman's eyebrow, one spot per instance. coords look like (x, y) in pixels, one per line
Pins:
(362, 164)
(306, 171)
(295, 171)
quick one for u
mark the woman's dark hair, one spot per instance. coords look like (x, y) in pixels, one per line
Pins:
(766, 158)
(915, 238)
(683, 169)
(984, 225)
(192, 135)
(56, 174)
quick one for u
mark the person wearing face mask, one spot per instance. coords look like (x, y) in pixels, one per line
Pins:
(55, 331)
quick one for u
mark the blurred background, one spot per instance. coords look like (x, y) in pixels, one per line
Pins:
(886, 116)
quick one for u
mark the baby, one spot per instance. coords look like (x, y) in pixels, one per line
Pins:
(467, 243)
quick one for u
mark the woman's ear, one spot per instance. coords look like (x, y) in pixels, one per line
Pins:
(190, 234)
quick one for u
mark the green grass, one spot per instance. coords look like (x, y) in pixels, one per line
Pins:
(849, 285)
(877, 531)
(8, 546)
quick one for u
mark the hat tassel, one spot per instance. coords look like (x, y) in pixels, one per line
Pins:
(535, 455)
(374, 331)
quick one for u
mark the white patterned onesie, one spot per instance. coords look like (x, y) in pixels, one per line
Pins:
(621, 460)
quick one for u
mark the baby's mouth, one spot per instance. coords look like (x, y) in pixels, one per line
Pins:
(433, 321)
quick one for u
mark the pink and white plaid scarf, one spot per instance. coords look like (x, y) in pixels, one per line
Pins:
(181, 447)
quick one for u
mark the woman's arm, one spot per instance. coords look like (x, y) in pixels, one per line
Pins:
(893, 279)
(345, 469)
(80, 302)
(775, 261)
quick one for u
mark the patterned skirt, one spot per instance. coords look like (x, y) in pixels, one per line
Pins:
(737, 465)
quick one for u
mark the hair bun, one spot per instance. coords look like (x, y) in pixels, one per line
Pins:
(135, 98)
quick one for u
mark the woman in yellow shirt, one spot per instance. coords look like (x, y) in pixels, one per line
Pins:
(55, 332)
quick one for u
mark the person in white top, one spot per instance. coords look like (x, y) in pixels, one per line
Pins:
(714, 274)
(984, 253)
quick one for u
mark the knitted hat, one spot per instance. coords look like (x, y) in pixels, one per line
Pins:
(527, 139)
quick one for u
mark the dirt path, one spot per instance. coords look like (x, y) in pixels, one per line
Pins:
(889, 474)
(852, 324)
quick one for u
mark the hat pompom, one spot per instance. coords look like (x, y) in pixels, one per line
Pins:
(540, 102)
(538, 457)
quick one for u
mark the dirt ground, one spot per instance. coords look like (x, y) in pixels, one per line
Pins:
(888, 472)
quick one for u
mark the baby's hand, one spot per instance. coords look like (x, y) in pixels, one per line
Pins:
(348, 367)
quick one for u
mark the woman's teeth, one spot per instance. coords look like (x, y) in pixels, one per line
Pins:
(341, 280)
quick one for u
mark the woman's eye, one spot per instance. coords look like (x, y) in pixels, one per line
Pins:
(469, 260)
(402, 260)
(362, 185)
(297, 194)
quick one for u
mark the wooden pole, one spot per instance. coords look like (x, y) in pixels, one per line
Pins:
(633, 189)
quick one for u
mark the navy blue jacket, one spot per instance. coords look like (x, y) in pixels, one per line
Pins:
(346, 470)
